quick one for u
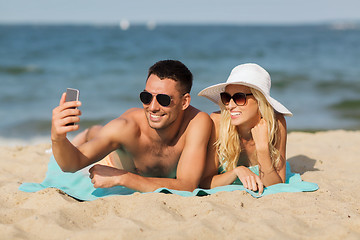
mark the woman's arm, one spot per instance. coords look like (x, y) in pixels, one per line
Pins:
(212, 179)
(268, 174)
(249, 179)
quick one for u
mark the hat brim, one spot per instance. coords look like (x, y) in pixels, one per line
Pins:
(213, 93)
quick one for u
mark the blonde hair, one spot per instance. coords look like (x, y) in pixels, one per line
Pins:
(228, 144)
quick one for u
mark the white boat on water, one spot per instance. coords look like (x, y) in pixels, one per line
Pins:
(151, 25)
(124, 24)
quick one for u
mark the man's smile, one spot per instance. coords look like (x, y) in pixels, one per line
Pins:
(156, 117)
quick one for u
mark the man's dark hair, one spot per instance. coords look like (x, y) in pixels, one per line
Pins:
(174, 70)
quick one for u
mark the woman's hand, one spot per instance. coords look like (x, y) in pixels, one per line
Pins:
(249, 179)
(261, 136)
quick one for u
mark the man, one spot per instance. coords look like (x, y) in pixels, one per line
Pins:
(167, 135)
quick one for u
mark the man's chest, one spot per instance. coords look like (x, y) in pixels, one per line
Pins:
(157, 160)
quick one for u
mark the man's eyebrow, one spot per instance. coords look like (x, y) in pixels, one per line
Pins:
(171, 95)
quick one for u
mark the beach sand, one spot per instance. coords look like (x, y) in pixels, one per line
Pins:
(330, 159)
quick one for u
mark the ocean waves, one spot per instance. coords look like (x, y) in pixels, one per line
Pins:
(20, 70)
(314, 69)
(349, 108)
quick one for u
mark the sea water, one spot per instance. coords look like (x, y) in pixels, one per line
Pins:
(315, 70)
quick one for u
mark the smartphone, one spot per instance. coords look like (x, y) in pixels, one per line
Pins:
(72, 95)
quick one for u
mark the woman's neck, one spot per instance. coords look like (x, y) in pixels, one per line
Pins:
(245, 132)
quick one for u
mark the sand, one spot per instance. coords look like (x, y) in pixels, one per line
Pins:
(330, 159)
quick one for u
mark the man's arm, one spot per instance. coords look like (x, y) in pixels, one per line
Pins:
(64, 152)
(192, 161)
(189, 170)
(71, 158)
(212, 162)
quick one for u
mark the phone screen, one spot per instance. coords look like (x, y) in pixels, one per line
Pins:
(71, 95)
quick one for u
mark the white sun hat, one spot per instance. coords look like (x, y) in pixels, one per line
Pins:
(250, 75)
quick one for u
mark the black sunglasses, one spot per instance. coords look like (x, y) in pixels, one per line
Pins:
(163, 99)
(239, 98)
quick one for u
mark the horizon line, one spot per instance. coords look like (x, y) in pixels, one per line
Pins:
(179, 23)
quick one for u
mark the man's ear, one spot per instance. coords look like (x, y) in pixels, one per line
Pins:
(186, 101)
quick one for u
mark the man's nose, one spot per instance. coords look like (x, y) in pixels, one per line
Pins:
(154, 105)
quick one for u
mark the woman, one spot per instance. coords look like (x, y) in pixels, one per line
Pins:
(249, 133)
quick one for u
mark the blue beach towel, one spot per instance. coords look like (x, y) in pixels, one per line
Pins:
(79, 186)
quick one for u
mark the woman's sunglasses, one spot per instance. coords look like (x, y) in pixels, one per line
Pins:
(163, 99)
(239, 98)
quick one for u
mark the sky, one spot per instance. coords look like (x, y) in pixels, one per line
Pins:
(182, 11)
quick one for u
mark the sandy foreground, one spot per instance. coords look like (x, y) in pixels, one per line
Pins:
(330, 159)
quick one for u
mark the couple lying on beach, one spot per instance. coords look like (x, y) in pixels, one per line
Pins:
(171, 144)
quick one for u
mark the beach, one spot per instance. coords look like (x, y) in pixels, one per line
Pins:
(328, 158)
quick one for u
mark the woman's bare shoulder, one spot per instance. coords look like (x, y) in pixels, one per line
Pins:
(281, 120)
(215, 116)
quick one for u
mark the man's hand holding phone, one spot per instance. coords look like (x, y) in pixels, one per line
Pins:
(66, 115)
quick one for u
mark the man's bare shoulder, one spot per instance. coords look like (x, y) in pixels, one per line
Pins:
(133, 116)
(132, 113)
(199, 122)
(126, 125)
(196, 116)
